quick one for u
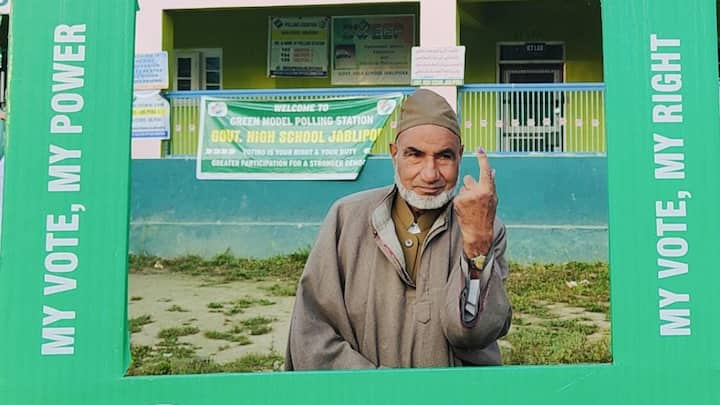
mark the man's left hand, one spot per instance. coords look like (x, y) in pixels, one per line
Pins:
(475, 206)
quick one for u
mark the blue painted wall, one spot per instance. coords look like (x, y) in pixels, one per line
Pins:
(555, 208)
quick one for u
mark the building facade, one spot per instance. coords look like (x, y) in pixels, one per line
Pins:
(223, 45)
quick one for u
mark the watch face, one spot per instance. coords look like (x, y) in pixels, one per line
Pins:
(479, 262)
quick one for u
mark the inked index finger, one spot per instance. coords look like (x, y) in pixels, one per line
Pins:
(484, 165)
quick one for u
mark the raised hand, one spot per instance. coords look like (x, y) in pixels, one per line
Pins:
(475, 206)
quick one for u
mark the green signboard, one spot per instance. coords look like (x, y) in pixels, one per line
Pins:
(299, 140)
(63, 277)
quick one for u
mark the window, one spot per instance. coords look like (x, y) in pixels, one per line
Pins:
(198, 69)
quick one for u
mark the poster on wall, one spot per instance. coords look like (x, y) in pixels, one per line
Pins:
(289, 140)
(438, 66)
(150, 115)
(150, 71)
(298, 46)
(372, 50)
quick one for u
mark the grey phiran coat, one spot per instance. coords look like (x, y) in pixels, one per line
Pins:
(356, 307)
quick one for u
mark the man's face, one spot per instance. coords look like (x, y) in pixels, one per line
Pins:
(426, 160)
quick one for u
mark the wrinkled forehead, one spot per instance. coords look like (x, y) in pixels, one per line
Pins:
(428, 137)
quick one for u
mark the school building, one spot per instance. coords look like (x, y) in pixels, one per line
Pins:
(532, 96)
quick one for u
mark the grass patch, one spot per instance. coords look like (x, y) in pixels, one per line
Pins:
(176, 308)
(571, 326)
(147, 360)
(542, 345)
(136, 298)
(163, 359)
(254, 362)
(256, 321)
(229, 336)
(540, 336)
(238, 306)
(519, 321)
(172, 348)
(135, 324)
(216, 335)
(225, 266)
(534, 286)
(174, 333)
(233, 310)
(258, 325)
(281, 290)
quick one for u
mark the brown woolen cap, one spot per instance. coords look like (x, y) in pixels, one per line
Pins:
(427, 107)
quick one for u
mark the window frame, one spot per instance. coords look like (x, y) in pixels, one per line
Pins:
(198, 73)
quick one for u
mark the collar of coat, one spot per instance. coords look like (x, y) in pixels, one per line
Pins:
(387, 239)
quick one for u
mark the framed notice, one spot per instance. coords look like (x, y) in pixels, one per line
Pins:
(372, 49)
(298, 46)
(438, 66)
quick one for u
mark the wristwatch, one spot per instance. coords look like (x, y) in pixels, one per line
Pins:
(477, 264)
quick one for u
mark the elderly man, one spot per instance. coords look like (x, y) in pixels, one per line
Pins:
(409, 275)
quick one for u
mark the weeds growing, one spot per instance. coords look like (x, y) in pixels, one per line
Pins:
(135, 324)
(556, 309)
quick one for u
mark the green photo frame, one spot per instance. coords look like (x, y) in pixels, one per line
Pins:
(63, 269)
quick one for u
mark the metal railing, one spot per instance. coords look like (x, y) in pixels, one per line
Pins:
(547, 117)
(185, 110)
(561, 117)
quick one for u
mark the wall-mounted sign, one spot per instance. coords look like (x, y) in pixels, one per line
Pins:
(289, 140)
(532, 51)
(372, 50)
(298, 46)
(151, 71)
(438, 66)
(150, 116)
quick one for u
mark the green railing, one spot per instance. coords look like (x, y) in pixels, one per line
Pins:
(561, 117)
(522, 118)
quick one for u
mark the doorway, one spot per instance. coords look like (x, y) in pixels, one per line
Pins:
(531, 114)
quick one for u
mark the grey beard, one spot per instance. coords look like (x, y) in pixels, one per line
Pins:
(423, 202)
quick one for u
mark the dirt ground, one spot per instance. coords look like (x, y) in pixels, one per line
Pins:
(174, 300)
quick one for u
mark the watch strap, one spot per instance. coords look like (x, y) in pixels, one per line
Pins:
(471, 297)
